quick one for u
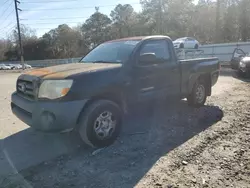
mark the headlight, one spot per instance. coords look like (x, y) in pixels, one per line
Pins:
(242, 64)
(53, 89)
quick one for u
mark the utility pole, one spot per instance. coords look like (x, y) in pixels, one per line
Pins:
(217, 26)
(161, 18)
(19, 32)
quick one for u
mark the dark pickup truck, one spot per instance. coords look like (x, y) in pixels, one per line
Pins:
(92, 95)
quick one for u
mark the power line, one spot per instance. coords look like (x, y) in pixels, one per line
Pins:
(42, 28)
(31, 2)
(48, 23)
(6, 9)
(75, 7)
(5, 2)
(9, 30)
(6, 26)
(13, 27)
(56, 18)
(7, 17)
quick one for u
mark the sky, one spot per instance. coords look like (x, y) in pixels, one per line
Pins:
(44, 15)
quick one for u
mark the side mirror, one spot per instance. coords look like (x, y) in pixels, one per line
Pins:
(147, 59)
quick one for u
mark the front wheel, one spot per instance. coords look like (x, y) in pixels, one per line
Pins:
(100, 123)
(198, 96)
(196, 46)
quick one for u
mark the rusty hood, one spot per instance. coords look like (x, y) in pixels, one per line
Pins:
(63, 71)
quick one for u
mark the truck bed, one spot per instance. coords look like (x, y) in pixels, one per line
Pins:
(191, 68)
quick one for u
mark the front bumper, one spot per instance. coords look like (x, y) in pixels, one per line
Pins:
(47, 115)
(245, 69)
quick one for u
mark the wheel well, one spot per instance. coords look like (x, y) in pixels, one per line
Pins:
(207, 79)
(111, 96)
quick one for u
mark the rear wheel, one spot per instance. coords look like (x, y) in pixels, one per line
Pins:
(100, 123)
(199, 95)
(181, 45)
(196, 46)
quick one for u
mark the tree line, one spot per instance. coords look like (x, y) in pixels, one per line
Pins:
(208, 21)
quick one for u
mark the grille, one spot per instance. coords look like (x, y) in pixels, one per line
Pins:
(26, 89)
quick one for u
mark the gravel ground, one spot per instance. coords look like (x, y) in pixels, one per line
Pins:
(163, 144)
(8, 123)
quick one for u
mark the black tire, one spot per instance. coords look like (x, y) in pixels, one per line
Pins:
(181, 45)
(196, 46)
(241, 74)
(87, 123)
(196, 100)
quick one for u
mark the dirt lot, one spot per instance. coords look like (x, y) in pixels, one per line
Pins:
(163, 144)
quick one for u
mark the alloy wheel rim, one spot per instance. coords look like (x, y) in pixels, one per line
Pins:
(104, 125)
(200, 93)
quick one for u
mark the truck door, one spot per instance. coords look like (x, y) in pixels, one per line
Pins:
(162, 77)
(238, 54)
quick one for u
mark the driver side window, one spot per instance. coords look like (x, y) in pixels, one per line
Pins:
(159, 48)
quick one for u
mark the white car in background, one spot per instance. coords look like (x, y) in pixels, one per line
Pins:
(18, 66)
(186, 42)
(12, 66)
(27, 66)
(4, 67)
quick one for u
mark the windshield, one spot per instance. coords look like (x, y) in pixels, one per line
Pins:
(111, 52)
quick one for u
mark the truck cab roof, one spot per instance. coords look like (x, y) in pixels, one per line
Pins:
(139, 38)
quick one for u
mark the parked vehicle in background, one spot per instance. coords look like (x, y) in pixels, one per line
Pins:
(26, 66)
(12, 66)
(2, 66)
(8, 67)
(241, 62)
(18, 66)
(238, 54)
(5, 67)
(91, 96)
(186, 42)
